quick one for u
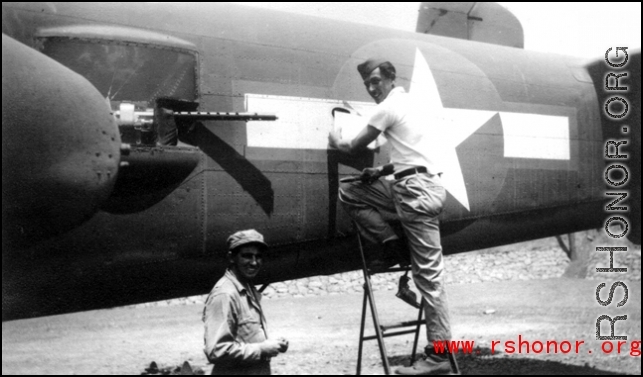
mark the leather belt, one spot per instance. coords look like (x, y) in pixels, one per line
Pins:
(411, 171)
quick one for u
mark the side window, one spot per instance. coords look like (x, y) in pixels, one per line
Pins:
(128, 72)
(135, 77)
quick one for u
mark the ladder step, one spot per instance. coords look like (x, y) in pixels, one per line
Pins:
(390, 334)
(400, 325)
(392, 269)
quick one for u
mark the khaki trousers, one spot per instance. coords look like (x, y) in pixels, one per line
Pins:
(416, 200)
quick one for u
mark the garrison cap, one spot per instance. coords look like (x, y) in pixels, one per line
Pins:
(369, 66)
(244, 237)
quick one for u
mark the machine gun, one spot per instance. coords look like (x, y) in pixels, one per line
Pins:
(163, 124)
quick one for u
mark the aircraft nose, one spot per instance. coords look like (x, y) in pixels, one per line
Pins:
(60, 146)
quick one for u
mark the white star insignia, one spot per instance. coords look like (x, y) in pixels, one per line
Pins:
(449, 127)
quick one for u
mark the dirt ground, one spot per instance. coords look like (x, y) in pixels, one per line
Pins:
(324, 332)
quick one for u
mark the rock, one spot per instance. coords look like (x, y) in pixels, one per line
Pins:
(277, 286)
(153, 369)
(186, 369)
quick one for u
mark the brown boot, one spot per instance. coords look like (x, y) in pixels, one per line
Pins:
(432, 364)
(379, 262)
(405, 293)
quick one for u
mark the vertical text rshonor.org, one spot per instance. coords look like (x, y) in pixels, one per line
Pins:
(613, 154)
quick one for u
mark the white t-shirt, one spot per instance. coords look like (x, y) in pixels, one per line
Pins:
(404, 123)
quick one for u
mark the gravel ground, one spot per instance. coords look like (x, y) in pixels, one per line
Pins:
(323, 333)
(531, 260)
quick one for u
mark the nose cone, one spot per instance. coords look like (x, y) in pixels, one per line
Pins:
(60, 146)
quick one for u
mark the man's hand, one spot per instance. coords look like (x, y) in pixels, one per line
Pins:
(270, 348)
(370, 175)
(284, 345)
(334, 138)
(335, 141)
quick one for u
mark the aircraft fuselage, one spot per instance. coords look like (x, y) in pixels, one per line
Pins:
(520, 131)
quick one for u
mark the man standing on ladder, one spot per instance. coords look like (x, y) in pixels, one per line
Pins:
(415, 194)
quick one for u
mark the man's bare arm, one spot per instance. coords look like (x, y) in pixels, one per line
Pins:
(363, 139)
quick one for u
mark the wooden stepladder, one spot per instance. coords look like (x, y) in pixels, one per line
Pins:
(381, 332)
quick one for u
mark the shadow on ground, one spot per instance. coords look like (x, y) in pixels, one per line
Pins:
(485, 363)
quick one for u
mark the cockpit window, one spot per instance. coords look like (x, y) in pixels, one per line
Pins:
(124, 72)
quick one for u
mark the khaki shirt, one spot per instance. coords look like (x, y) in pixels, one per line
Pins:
(234, 327)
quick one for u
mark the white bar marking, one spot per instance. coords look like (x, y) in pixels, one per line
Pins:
(304, 123)
(536, 136)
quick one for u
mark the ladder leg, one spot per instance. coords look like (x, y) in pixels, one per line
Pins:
(361, 337)
(378, 332)
(417, 332)
(454, 364)
(376, 321)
